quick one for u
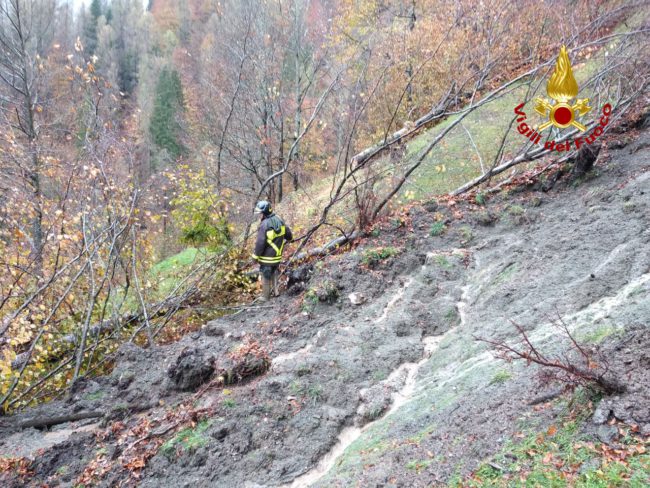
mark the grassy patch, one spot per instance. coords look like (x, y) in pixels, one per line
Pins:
(500, 377)
(315, 393)
(442, 261)
(229, 403)
(371, 257)
(426, 432)
(374, 413)
(562, 457)
(303, 370)
(163, 277)
(188, 439)
(597, 336)
(466, 234)
(516, 210)
(168, 272)
(437, 229)
(451, 316)
(418, 465)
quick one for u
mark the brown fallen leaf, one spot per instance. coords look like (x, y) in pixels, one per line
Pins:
(547, 458)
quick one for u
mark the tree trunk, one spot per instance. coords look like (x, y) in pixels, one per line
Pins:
(409, 69)
(37, 220)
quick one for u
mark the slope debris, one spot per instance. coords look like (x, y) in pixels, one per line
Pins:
(391, 391)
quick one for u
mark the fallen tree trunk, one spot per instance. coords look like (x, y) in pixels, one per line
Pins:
(327, 248)
(45, 422)
(395, 137)
(161, 309)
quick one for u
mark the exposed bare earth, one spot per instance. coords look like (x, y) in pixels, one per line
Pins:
(356, 392)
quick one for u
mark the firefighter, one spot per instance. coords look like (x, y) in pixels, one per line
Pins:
(272, 235)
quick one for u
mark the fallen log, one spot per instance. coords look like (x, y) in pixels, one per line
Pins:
(163, 307)
(46, 422)
(327, 248)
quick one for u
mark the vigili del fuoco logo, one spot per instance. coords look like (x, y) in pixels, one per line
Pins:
(562, 88)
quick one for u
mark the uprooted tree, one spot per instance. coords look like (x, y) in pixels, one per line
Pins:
(579, 365)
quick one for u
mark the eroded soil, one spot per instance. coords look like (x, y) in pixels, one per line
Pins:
(356, 393)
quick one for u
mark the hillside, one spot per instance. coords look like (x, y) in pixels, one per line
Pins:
(390, 386)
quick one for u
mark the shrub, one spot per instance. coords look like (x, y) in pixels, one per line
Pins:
(200, 212)
(309, 300)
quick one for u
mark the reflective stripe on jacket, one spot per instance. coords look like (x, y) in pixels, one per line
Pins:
(272, 235)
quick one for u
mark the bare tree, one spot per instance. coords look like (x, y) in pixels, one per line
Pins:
(25, 29)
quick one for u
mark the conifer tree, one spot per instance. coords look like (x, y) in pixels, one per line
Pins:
(168, 104)
(90, 26)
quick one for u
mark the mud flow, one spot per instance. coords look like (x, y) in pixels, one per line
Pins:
(390, 388)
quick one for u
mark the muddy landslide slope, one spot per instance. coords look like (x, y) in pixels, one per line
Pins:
(361, 387)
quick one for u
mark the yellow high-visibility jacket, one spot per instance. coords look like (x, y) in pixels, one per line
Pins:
(272, 235)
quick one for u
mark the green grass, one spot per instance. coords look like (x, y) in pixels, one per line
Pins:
(442, 261)
(455, 160)
(168, 272)
(303, 370)
(597, 336)
(229, 403)
(373, 256)
(500, 377)
(451, 315)
(190, 438)
(296, 388)
(516, 210)
(418, 465)
(424, 433)
(562, 457)
(162, 278)
(437, 229)
(466, 233)
(315, 393)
